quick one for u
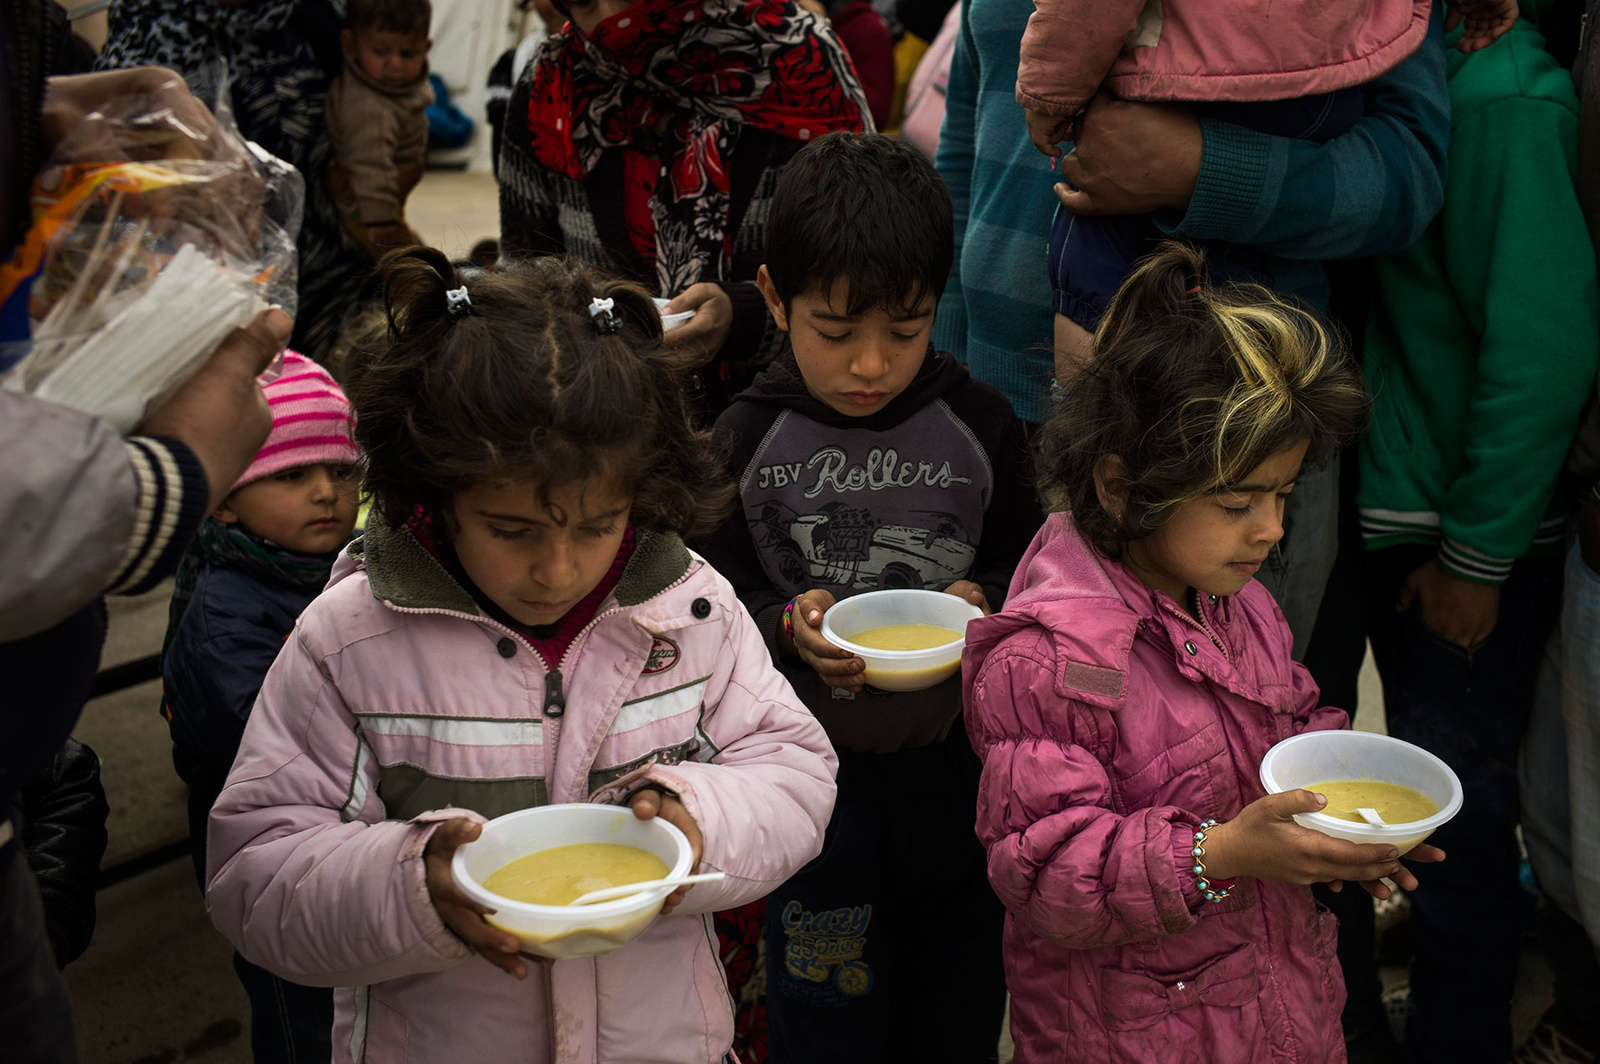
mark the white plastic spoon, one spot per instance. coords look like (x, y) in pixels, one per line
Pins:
(1371, 816)
(608, 893)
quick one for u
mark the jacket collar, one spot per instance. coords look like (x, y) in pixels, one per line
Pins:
(1093, 609)
(403, 573)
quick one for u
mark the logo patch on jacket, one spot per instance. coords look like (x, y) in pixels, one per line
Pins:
(664, 655)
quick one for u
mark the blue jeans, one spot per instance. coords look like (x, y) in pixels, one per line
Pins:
(1560, 776)
(1469, 707)
(289, 1023)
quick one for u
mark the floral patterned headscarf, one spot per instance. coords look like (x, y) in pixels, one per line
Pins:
(677, 79)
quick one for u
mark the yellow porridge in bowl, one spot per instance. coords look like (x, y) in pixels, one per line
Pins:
(1395, 803)
(905, 637)
(560, 874)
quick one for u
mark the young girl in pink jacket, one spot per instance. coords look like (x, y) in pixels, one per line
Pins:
(521, 624)
(1157, 900)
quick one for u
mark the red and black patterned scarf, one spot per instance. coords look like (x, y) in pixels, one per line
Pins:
(677, 79)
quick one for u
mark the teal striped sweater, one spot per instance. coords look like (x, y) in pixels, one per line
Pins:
(1370, 191)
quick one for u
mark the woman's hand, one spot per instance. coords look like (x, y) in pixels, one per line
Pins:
(837, 667)
(69, 99)
(1487, 21)
(1264, 842)
(652, 801)
(460, 913)
(702, 337)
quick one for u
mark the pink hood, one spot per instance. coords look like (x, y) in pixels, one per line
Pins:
(1110, 724)
(396, 704)
(1198, 50)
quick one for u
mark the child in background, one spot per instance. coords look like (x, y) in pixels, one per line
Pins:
(867, 459)
(257, 562)
(520, 581)
(378, 118)
(1285, 70)
(1124, 699)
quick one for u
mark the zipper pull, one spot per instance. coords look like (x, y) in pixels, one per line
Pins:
(555, 702)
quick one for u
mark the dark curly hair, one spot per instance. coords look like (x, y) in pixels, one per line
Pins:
(396, 16)
(1192, 387)
(522, 386)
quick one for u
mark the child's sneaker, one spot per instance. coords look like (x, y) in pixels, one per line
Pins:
(1398, 1005)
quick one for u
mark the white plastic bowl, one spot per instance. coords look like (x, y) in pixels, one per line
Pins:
(1320, 756)
(901, 670)
(562, 931)
(671, 321)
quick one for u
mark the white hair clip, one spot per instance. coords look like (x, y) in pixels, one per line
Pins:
(605, 319)
(457, 301)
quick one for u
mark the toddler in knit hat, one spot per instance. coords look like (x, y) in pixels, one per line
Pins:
(299, 492)
(259, 560)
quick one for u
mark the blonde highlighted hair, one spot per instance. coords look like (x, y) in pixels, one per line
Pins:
(1192, 387)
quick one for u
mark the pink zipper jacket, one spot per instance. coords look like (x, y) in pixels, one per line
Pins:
(397, 704)
(1197, 50)
(1110, 724)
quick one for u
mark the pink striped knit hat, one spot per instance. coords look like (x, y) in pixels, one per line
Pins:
(311, 421)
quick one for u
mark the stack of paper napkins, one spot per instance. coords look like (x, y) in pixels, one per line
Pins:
(147, 349)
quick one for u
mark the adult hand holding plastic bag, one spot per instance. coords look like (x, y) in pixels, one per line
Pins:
(157, 231)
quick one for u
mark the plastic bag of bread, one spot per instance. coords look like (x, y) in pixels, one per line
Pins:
(155, 232)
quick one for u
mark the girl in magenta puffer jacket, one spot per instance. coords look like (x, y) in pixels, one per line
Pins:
(521, 624)
(1158, 902)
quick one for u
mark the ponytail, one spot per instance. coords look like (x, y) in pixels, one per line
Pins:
(414, 282)
(1191, 386)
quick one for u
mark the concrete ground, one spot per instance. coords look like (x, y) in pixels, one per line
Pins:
(156, 986)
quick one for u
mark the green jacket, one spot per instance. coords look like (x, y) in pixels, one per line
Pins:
(1484, 335)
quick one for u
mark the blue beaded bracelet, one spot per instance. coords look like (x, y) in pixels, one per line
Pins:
(1199, 853)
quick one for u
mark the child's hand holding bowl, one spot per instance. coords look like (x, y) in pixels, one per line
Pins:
(1264, 842)
(652, 801)
(837, 666)
(460, 913)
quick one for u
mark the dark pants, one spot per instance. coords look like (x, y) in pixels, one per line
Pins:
(887, 946)
(289, 1023)
(1469, 707)
(1576, 972)
(35, 1012)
